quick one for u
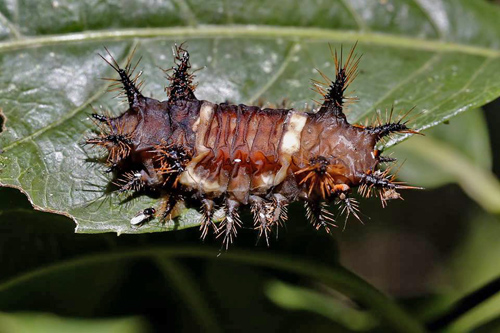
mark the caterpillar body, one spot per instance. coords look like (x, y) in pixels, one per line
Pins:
(230, 156)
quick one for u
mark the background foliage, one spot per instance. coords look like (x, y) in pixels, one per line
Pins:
(426, 251)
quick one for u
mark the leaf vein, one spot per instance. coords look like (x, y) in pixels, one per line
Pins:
(66, 117)
(410, 77)
(12, 27)
(187, 13)
(467, 84)
(359, 21)
(293, 50)
(295, 33)
(430, 17)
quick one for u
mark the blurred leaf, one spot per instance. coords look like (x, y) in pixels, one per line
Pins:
(456, 153)
(441, 56)
(62, 275)
(475, 148)
(474, 264)
(299, 298)
(184, 283)
(49, 323)
(491, 326)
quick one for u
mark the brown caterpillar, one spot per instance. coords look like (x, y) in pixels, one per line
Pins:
(223, 155)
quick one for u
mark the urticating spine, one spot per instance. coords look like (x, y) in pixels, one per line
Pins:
(228, 156)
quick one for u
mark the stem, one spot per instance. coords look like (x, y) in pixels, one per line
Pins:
(464, 305)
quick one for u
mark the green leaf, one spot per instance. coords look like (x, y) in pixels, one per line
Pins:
(58, 275)
(299, 298)
(443, 156)
(470, 269)
(476, 149)
(44, 323)
(442, 56)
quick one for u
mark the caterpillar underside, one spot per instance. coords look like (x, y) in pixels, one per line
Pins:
(229, 156)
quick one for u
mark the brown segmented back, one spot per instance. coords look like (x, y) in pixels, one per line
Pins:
(184, 149)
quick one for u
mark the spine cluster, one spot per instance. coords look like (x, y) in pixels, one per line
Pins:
(232, 156)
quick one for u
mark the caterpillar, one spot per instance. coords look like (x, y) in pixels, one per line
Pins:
(231, 156)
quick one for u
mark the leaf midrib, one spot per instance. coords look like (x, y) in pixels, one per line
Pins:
(210, 31)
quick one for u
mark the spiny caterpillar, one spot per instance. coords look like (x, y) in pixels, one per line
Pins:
(228, 156)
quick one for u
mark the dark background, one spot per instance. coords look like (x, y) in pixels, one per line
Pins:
(420, 250)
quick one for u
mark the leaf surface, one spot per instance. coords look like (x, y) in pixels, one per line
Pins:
(440, 56)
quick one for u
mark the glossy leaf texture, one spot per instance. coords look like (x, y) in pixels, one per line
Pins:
(442, 57)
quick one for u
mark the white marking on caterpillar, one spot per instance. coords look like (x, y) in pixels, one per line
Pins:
(191, 178)
(267, 180)
(201, 125)
(290, 143)
(291, 139)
